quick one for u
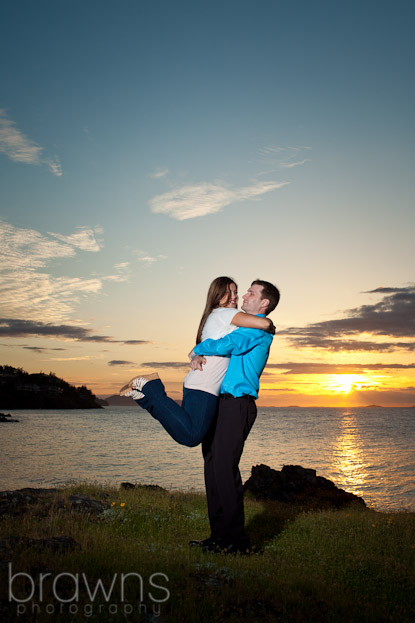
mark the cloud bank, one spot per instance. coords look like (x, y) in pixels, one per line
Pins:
(12, 327)
(201, 199)
(336, 368)
(393, 317)
(19, 148)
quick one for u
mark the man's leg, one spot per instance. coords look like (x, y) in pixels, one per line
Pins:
(222, 476)
(215, 511)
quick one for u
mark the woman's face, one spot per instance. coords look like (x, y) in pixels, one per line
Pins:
(231, 298)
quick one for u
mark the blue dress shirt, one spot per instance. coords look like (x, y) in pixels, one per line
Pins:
(248, 350)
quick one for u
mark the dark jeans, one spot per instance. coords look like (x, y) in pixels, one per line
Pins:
(187, 424)
(222, 450)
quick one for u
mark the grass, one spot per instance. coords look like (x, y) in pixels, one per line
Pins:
(353, 565)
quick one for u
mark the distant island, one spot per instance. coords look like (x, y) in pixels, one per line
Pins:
(117, 401)
(21, 390)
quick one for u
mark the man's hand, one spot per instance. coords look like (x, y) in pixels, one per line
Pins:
(197, 362)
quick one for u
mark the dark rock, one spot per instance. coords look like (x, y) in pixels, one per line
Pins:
(18, 502)
(295, 484)
(85, 504)
(5, 417)
(151, 487)
(21, 501)
(127, 485)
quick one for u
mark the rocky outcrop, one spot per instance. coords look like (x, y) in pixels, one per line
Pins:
(21, 390)
(130, 485)
(21, 501)
(6, 417)
(295, 484)
(86, 505)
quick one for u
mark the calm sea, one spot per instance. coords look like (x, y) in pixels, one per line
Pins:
(368, 451)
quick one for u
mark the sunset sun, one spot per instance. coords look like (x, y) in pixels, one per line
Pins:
(344, 383)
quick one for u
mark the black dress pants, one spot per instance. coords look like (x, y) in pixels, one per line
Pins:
(222, 449)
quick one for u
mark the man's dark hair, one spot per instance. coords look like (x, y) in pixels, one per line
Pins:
(270, 292)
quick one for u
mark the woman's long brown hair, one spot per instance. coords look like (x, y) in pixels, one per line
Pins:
(219, 288)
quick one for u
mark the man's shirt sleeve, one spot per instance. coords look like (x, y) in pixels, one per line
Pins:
(237, 343)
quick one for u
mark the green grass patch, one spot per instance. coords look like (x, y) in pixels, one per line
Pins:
(307, 566)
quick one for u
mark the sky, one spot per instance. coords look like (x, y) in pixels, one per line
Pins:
(147, 147)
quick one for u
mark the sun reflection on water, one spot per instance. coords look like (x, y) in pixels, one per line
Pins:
(348, 457)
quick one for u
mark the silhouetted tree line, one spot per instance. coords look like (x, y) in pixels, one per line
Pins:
(21, 390)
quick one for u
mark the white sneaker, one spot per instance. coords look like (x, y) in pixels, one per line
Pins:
(134, 394)
(137, 383)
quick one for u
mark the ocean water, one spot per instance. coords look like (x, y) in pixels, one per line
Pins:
(367, 451)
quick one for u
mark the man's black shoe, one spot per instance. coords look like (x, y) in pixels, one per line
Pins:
(206, 544)
(228, 547)
(235, 548)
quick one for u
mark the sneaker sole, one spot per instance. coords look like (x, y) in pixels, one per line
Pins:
(149, 377)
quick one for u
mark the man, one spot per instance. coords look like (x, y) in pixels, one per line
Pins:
(222, 447)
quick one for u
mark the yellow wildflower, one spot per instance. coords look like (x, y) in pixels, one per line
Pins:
(122, 504)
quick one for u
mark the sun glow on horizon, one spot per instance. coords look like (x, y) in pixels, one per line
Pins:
(345, 383)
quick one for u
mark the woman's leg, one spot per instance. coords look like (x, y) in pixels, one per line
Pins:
(187, 424)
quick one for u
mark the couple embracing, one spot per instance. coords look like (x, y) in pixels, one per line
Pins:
(218, 407)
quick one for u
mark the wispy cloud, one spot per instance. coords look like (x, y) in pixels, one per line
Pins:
(202, 199)
(393, 316)
(54, 165)
(87, 133)
(336, 368)
(17, 327)
(166, 364)
(26, 291)
(79, 358)
(355, 346)
(290, 165)
(19, 148)
(122, 274)
(85, 239)
(285, 157)
(159, 173)
(272, 150)
(146, 258)
(120, 362)
(122, 266)
(41, 349)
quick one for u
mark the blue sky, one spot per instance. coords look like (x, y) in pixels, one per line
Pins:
(147, 147)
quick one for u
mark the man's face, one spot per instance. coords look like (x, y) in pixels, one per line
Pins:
(252, 300)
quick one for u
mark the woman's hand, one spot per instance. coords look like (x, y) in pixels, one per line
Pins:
(191, 354)
(197, 362)
(271, 329)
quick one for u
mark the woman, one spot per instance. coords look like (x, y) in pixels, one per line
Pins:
(189, 423)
